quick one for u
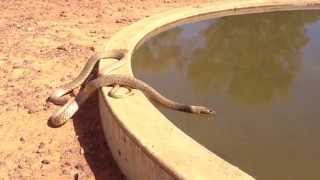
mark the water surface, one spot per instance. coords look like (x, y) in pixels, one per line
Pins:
(260, 73)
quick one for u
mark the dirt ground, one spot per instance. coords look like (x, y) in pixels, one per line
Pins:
(44, 44)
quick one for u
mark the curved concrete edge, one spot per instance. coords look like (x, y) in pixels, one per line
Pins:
(144, 143)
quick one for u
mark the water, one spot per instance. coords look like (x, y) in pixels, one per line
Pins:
(260, 73)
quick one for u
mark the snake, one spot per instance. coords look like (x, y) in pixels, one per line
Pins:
(61, 116)
(71, 105)
(58, 96)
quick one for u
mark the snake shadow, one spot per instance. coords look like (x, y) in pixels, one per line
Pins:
(87, 124)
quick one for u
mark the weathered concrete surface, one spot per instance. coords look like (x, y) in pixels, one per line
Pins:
(145, 144)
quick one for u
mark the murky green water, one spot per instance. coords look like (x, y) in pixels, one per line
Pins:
(260, 73)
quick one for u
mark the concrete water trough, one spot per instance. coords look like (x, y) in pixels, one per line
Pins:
(145, 144)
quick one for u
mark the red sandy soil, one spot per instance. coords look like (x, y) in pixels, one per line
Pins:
(44, 44)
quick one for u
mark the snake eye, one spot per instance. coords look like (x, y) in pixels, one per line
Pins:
(209, 111)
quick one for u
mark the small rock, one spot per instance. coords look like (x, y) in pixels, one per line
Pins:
(67, 163)
(20, 166)
(45, 161)
(62, 47)
(22, 139)
(38, 151)
(92, 48)
(121, 9)
(79, 166)
(62, 14)
(41, 145)
(104, 37)
(118, 21)
(19, 104)
(69, 150)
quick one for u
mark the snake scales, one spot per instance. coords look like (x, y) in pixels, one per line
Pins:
(71, 106)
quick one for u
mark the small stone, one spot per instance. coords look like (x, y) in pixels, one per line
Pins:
(67, 163)
(62, 14)
(69, 151)
(92, 48)
(20, 166)
(79, 166)
(62, 47)
(104, 37)
(38, 151)
(41, 145)
(22, 139)
(45, 161)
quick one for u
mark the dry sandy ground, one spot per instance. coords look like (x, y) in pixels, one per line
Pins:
(44, 44)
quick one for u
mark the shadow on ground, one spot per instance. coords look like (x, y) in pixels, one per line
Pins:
(88, 127)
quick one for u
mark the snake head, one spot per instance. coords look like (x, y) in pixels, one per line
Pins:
(202, 110)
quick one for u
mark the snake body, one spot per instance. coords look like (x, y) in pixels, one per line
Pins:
(57, 97)
(71, 107)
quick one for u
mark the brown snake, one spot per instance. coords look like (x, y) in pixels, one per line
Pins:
(72, 105)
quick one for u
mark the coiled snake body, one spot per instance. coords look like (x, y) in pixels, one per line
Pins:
(72, 105)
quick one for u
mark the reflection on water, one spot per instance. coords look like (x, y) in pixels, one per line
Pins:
(260, 73)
